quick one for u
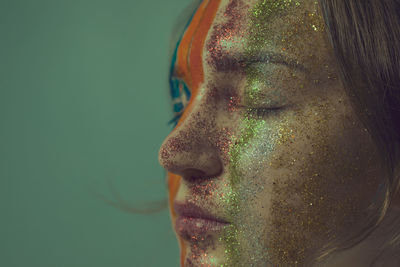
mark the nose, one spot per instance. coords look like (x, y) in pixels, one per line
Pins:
(191, 150)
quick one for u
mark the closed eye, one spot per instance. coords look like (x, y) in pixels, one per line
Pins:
(264, 112)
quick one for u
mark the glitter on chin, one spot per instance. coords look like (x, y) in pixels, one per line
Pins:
(254, 136)
(259, 37)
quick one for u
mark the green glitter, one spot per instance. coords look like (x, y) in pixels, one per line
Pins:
(252, 127)
(260, 35)
(260, 91)
(261, 17)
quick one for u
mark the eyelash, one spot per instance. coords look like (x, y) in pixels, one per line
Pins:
(264, 112)
(258, 112)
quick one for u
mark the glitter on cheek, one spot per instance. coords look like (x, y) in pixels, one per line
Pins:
(252, 149)
(224, 142)
(251, 146)
(249, 154)
(248, 151)
(257, 141)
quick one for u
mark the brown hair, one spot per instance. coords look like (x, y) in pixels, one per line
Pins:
(365, 37)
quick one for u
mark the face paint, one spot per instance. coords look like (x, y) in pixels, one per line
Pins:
(185, 79)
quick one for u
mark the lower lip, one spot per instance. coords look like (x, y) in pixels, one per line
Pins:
(189, 228)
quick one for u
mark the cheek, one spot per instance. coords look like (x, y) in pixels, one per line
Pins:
(307, 182)
(324, 180)
(251, 154)
(255, 146)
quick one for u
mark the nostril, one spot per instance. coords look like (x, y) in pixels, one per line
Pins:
(192, 175)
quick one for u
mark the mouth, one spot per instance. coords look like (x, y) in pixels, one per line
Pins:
(194, 222)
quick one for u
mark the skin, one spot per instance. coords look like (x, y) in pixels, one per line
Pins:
(276, 151)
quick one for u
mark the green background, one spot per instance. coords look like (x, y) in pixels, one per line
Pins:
(84, 103)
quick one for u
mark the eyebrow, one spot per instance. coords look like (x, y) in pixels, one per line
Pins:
(239, 61)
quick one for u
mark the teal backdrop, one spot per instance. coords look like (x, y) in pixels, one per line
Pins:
(84, 107)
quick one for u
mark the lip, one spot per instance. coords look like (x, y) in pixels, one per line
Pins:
(194, 222)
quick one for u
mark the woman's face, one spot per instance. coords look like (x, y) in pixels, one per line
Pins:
(268, 142)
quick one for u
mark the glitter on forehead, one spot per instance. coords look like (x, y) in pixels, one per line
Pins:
(227, 36)
(240, 151)
(261, 16)
(259, 37)
(259, 140)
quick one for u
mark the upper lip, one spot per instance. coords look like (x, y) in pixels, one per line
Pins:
(191, 210)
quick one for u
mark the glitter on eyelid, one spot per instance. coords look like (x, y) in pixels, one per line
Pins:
(259, 36)
(241, 148)
(252, 146)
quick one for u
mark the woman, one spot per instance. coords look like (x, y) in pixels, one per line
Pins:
(287, 153)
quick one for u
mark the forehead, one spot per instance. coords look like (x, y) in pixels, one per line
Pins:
(258, 25)
(222, 29)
